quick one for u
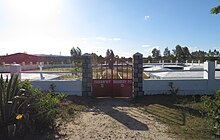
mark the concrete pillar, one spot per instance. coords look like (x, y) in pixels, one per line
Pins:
(162, 63)
(15, 69)
(186, 62)
(176, 62)
(159, 61)
(148, 61)
(216, 63)
(73, 63)
(171, 61)
(199, 62)
(23, 63)
(209, 70)
(3, 64)
(137, 84)
(86, 75)
(209, 74)
(41, 68)
(192, 63)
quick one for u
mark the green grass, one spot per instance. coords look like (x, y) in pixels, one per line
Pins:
(71, 77)
(65, 69)
(185, 116)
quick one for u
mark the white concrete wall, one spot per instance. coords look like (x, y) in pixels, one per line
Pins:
(5, 69)
(186, 87)
(34, 67)
(73, 87)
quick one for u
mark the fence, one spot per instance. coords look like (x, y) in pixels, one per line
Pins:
(206, 84)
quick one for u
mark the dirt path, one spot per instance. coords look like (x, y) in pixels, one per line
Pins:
(114, 119)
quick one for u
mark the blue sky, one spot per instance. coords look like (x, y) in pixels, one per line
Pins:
(126, 26)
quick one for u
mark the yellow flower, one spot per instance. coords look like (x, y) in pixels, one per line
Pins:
(19, 116)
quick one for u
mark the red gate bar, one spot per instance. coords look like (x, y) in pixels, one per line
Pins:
(112, 87)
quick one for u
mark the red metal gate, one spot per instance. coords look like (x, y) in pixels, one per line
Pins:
(112, 78)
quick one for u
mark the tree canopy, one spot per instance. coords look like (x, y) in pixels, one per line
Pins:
(182, 54)
(76, 52)
(215, 10)
(156, 53)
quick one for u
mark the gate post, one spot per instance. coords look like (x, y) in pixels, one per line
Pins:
(86, 75)
(137, 84)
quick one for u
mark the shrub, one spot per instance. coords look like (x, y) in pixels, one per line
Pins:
(14, 105)
(24, 109)
(44, 106)
(213, 106)
(173, 90)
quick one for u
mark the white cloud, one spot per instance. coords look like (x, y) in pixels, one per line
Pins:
(101, 38)
(145, 46)
(83, 38)
(146, 17)
(107, 39)
(116, 39)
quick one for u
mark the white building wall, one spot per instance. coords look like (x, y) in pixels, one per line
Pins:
(186, 87)
(73, 87)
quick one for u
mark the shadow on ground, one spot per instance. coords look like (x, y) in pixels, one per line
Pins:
(163, 107)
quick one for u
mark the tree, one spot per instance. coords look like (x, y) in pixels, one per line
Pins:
(156, 53)
(166, 52)
(110, 56)
(76, 54)
(215, 10)
(178, 52)
(95, 58)
(186, 53)
(199, 55)
(107, 53)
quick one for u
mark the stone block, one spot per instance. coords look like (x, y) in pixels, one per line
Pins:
(140, 70)
(84, 94)
(136, 89)
(140, 66)
(140, 93)
(89, 84)
(135, 71)
(88, 89)
(140, 85)
(136, 61)
(140, 75)
(140, 79)
(135, 79)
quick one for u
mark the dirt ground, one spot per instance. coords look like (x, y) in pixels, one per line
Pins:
(115, 119)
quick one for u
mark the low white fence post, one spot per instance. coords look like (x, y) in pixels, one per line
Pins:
(15, 69)
(209, 74)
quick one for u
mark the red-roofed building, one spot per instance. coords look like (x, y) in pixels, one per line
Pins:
(18, 58)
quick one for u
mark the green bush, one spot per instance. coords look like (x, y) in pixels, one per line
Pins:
(213, 106)
(24, 109)
(44, 106)
(14, 105)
